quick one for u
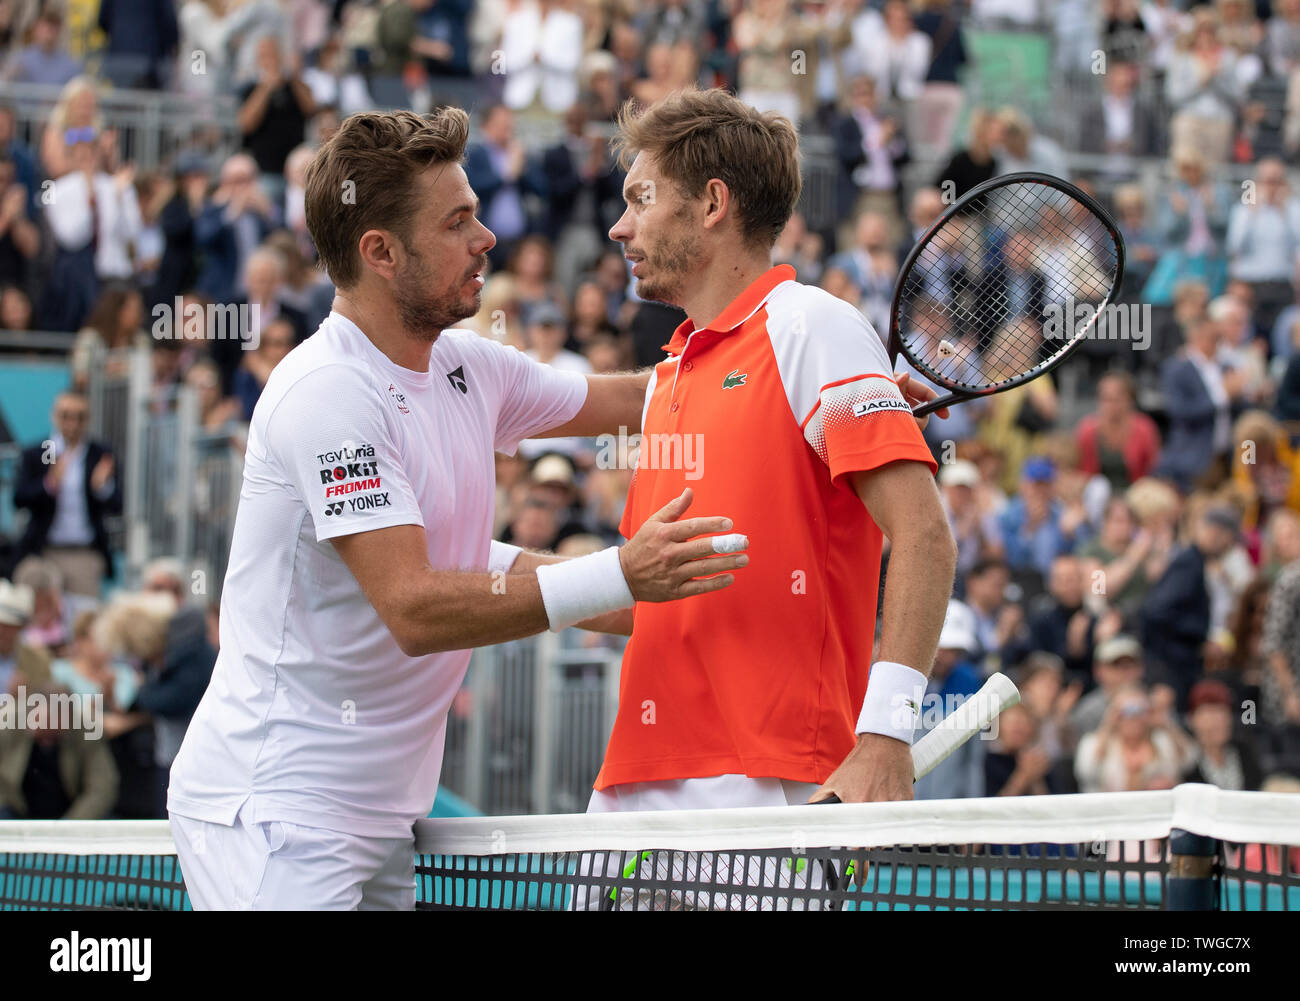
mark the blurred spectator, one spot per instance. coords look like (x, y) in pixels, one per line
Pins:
(1116, 665)
(1120, 124)
(255, 367)
(1263, 241)
(1024, 149)
(1138, 746)
(306, 289)
(69, 488)
(1220, 759)
(497, 169)
(178, 268)
(1192, 222)
(1265, 469)
(142, 37)
(954, 678)
(234, 220)
(939, 104)
(531, 267)
(50, 624)
(1060, 623)
(15, 309)
(75, 119)
(1175, 617)
(872, 150)
(996, 618)
(95, 219)
(20, 238)
(1198, 400)
(1238, 352)
(541, 49)
(869, 265)
(334, 82)
(1120, 552)
(890, 49)
(1051, 699)
(1280, 644)
(975, 529)
(765, 33)
(546, 336)
(1204, 89)
(115, 323)
(1117, 441)
(52, 771)
(1018, 764)
(273, 113)
(16, 604)
(1019, 418)
(973, 165)
(44, 60)
(801, 248)
(1141, 245)
(1032, 532)
(169, 642)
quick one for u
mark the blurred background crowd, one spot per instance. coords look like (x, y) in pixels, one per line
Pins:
(1128, 527)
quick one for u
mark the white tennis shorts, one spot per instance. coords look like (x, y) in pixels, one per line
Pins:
(701, 870)
(279, 866)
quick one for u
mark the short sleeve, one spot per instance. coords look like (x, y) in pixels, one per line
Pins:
(330, 438)
(533, 398)
(840, 386)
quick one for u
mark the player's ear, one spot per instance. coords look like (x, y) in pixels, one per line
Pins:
(381, 252)
(717, 202)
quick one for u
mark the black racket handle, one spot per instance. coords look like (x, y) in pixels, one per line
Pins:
(824, 802)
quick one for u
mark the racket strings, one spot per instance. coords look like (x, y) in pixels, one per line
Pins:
(1005, 286)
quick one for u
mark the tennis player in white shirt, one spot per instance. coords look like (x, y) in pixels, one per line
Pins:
(362, 567)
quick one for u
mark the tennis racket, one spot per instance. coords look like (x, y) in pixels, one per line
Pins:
(968, 719)
(1004, 286)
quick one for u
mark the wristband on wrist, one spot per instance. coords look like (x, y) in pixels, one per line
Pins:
(502, 556)
(581, 589)
(892, 706)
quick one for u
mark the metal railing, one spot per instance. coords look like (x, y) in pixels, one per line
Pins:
(151, 124)
(527, 732)
(180, 484)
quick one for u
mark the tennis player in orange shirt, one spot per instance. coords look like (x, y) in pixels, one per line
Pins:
(766, 692)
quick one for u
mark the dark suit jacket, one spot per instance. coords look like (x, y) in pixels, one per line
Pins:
(1189, 444)
(1144, 138)
(30, 495)
(486, 182)
(214, 236)
(1175, 619)
(848, 148)
(564, 185)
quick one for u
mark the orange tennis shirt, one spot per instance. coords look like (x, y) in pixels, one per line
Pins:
(763, 414)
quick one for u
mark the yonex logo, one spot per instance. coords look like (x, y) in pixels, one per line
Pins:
(734, 378)
(457, 378)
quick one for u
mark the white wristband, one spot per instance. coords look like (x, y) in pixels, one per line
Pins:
(502, 555)
(893, 703)
(581, 589)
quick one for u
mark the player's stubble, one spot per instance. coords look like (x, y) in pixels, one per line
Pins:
(424, 312)
(669, 260)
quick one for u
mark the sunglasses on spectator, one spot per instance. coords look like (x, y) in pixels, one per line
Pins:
(73, 415)
(81, 135)
(1133, 709)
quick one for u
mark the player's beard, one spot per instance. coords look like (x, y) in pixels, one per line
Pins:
(425, 314)
(669, 262)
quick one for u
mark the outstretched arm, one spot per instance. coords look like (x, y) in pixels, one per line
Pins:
(903, 500)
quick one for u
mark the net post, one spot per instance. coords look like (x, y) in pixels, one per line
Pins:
(1193, 883)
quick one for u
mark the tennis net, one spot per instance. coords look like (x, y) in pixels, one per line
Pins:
(1193, 847)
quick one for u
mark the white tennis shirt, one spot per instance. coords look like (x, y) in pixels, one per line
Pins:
(313, 711)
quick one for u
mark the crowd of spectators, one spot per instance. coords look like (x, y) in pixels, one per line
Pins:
(1129, 544)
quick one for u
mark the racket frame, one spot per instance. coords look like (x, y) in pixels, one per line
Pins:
(956, 395)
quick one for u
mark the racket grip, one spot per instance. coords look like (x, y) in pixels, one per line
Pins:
(832, 798)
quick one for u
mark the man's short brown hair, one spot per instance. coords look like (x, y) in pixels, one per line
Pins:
(363, 178)
(696, 135)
